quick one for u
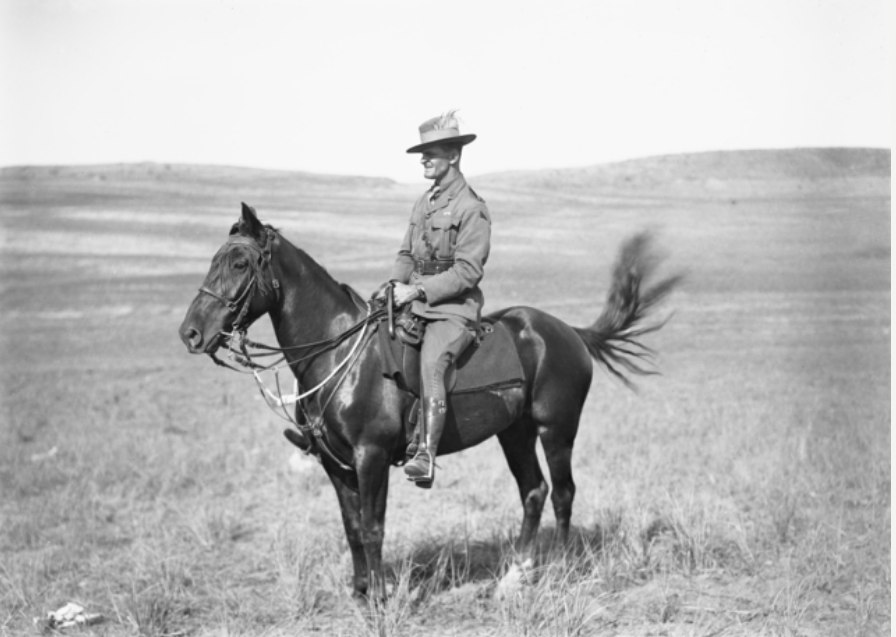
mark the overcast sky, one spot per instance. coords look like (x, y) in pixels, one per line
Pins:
(340, 86)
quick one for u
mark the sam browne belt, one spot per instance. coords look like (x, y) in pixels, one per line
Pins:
(434, 266)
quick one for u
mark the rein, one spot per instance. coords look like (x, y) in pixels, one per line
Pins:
(280, 400)
(239, 346)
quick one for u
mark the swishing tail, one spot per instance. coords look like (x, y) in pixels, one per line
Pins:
(613, 338)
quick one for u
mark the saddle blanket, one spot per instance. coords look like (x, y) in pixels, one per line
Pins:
(491, 362)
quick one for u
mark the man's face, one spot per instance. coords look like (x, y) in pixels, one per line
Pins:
(437, 161)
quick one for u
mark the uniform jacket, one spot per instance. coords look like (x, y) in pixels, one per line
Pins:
(454, 226)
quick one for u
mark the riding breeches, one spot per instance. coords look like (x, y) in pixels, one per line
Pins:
(443, 342)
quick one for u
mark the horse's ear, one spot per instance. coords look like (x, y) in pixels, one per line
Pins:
(249, 225)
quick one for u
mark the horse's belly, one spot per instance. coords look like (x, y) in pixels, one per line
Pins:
(475, 416)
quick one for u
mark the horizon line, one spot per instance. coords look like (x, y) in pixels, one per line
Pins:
(198, 164)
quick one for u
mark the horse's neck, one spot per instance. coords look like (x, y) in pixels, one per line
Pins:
(313, 306)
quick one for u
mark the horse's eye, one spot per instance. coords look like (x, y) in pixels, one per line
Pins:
(241, 264)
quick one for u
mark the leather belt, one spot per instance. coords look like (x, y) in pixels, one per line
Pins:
(435, 266)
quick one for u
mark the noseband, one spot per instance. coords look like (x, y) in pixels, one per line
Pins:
(240, 304)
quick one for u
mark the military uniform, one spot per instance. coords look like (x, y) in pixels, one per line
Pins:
(443, 254)
(452, 231)
(444, 250)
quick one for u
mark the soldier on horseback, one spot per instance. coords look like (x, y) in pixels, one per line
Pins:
(357, 429)
(437, 271)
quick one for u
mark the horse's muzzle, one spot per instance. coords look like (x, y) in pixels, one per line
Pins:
(192, 338)
(195, 342)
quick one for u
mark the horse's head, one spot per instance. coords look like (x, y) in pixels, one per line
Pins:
(239, 287)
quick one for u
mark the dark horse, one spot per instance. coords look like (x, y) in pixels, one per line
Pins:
(259, 272)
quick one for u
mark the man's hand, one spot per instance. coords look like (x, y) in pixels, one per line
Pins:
(381, 291)
(405, 293)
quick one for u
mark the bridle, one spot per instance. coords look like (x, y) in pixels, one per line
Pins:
(240, 305)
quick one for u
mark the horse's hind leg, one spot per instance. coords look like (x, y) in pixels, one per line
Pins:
(518, 443)
(557, 445)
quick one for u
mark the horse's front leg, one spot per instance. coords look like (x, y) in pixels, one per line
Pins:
(350, 505)
(372, 465)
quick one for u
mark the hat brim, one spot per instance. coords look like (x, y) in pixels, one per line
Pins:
(460, 140)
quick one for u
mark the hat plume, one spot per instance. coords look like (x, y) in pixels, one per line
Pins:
(447, 120)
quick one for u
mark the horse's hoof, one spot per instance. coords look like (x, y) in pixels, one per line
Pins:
(371, 599)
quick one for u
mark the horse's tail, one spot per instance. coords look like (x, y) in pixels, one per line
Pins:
(613, 339)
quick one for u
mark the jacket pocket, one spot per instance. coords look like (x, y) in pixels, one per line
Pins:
(444, 235)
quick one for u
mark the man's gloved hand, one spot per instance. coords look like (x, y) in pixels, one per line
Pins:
(405, 293)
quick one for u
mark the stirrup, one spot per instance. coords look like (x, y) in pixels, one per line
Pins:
(425, 480)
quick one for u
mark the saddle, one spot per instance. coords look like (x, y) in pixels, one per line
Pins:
(490, 363)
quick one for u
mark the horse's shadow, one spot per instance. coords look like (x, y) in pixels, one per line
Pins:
(431, 567)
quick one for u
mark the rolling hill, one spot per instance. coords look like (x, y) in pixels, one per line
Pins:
(743, 172)
(710, 174)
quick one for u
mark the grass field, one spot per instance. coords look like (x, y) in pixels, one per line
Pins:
(745, 491)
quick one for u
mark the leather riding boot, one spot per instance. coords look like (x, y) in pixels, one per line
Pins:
(421, 469)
